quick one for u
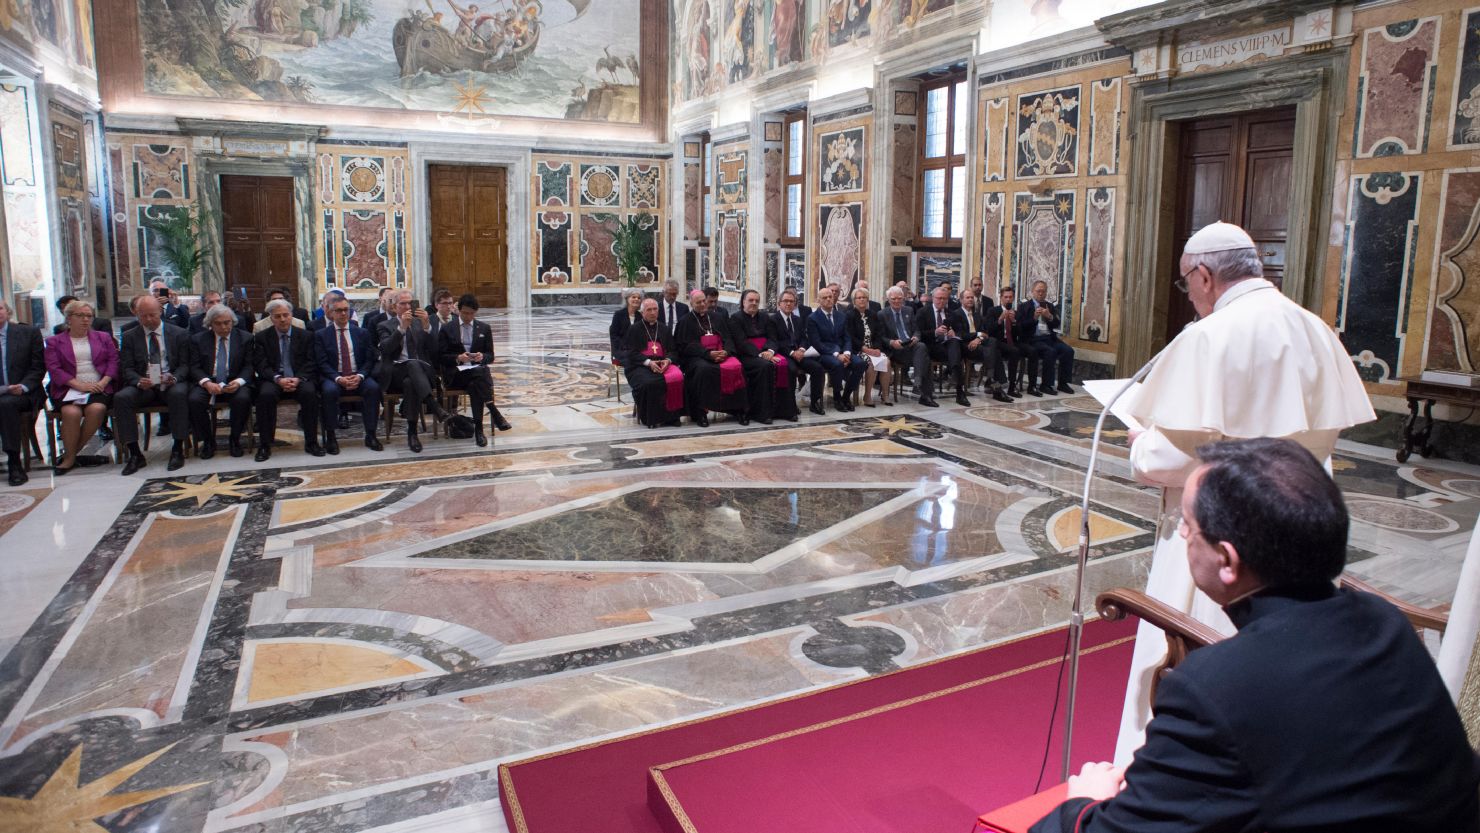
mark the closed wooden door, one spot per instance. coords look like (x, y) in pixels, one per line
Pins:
(1235, 169)
(259, 242)
(470, 236)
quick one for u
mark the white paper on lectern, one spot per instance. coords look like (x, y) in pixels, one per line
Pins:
(1104, 390)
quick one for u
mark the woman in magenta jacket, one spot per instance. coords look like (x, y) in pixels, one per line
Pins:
(82, 364)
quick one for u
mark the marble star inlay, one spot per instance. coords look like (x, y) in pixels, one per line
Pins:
(203, 491)
(65, 805)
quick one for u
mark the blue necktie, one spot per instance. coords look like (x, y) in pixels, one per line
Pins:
(221, 361)
(283, 349)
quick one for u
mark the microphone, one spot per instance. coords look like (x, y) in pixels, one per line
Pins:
(1076, 611)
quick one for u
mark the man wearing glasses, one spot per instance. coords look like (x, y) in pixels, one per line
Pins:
(1255, 365)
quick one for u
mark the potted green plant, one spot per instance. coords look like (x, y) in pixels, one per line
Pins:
(180, 234)
(632, 243)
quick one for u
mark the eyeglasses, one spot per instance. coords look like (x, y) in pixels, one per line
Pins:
(1181, 283)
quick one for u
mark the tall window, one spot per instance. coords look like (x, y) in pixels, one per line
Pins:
(942, 219)
(794, 178)
(706, 188)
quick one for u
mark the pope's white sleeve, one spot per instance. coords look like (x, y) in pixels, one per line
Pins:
(1166, 458)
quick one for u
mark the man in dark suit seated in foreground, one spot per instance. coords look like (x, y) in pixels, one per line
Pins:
(1323, 714)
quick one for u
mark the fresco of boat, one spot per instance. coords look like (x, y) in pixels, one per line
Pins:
(422, 44)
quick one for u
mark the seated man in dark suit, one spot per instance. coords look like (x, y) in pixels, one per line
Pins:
(827, 331)
(1002, 326)
(408, 357)
(347, 365)
(371, 322)
(300, 315)
(220, 369)
(102, 325)
(286, 367)
(906, 350)
(671, 310)
(787, 331)
(1323, 713)
(165, 348)
(941, 330)
(1038, 323)
(22, 364)
(748, 333)
(712, 304)
(171, 311)
(320, 318)
(979, 345)
(208, 299)
(467, 342)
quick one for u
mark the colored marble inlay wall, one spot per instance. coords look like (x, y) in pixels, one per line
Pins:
(1051, 166)
(20, 181)
(74, 171)
(729, 239)
(837, 206)
(1406, 192)
(578, 203)
(362, 230)
(152, 178)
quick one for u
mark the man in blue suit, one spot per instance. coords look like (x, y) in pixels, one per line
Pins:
(347, 363)
(828, 333)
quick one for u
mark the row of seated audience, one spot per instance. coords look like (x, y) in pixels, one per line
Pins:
(220, 356)
(697, 357)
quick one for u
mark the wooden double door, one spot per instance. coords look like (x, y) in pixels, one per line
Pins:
(1236, 169)
(259, 240)
(470, 236)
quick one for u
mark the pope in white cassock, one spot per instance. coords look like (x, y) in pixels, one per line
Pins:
(1255, 364)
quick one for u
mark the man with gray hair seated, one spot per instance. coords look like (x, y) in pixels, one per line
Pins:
(284, 360)
(219, 372)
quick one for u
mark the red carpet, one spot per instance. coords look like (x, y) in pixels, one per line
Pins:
(928, 763)
(995, 728)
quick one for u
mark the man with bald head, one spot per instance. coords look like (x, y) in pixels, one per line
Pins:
(153, 369)
(1255, 365)
(713, 377)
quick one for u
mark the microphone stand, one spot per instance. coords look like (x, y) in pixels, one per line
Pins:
(1076, 614)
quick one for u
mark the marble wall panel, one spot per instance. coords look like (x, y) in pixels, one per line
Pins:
(1048, 133)
(1104, 126)
(598, 262)
(363, 246)
(1395, 88)
(578, 202)
(775, 203)
(1377, 271)
(20, 181)
(1464, 118)
(794, 270)
(1454, 343)
(773, 277)
(704, 270)
(17, 152)
(362, 237)
(729, 250)
(161, 171)
(902, 194)
(644, 186)
(731, 175)
(840, 243)
(693, 203)
(1043, 231)
(993, 231)
(931, 270)
(552, 182)
(1099, 264)
(122, 262)
(600, 185)
(66, 150)
(26, 239)
(842, 158)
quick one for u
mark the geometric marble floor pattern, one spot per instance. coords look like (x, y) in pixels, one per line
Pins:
(357, 644)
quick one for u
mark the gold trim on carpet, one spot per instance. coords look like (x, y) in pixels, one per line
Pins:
(674, 805)
(506, 770)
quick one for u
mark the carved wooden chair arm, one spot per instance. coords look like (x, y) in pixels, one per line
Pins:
(1120, 602)
(1421, 617)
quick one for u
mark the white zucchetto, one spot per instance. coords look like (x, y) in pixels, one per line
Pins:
(1218, 237)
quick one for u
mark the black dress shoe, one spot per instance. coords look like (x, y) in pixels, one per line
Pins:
(91, 461)
(1064, 387)
(1014, 393)
(236, 447)
(793, 418)
(264, 451)
(314, 450)
(17, 474)
(413, 442)
(929, 402)
(207, 450)
(331, 444)
(1001, 397)
(763, 421)
(500, 423)
(701, 421)
(479, 439)
(744, 420)
(131, 465)
(373, 443)
(672, 423)
(344, 422)
(817, 409)
(962, 400)
(177, 459)
(59, 470)
(1033, 391)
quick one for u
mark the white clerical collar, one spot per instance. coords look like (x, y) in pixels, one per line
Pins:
(1240, 289)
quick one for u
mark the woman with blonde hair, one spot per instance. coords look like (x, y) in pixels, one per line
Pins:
(82, 363)
(867, 331)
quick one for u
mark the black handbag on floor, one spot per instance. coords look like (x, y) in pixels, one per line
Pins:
(460, 427)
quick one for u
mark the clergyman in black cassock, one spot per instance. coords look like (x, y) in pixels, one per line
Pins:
(648, 356)
(748, 332)
(702, 366)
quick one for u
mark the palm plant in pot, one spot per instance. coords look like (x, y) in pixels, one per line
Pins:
(632, 243)
(180, 235)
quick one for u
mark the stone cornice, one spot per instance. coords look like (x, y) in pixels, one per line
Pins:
(1191, 19)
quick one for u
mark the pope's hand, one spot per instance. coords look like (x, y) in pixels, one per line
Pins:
(1097, 781)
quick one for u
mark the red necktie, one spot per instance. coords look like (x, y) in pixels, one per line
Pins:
(345, 369)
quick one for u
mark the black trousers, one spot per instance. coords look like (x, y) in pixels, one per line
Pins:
(915, 356)
(128, 401)
(200, 412)
(17, 419)
(949, 352)
(268, 396)
(369, 393)
(1008, 358)
(1056, 357)
(986, 353)
(412, 380)
(478, 382)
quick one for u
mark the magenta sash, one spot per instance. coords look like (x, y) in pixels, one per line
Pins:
(783, 370)
(672, 377)
(731, 376)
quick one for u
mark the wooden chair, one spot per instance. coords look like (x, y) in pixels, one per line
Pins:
(30, 448)
(614, 380)
(389, 404)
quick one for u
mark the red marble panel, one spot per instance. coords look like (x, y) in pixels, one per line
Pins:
(1398, 63)
(365, 244)
(1453, 344)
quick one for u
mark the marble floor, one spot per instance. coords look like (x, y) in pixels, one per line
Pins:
(355, 643)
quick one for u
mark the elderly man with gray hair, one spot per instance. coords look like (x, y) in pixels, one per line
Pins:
(219, 372)
(285, 362)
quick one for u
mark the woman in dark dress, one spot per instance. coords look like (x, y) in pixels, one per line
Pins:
(623, 320)
(866, 329)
